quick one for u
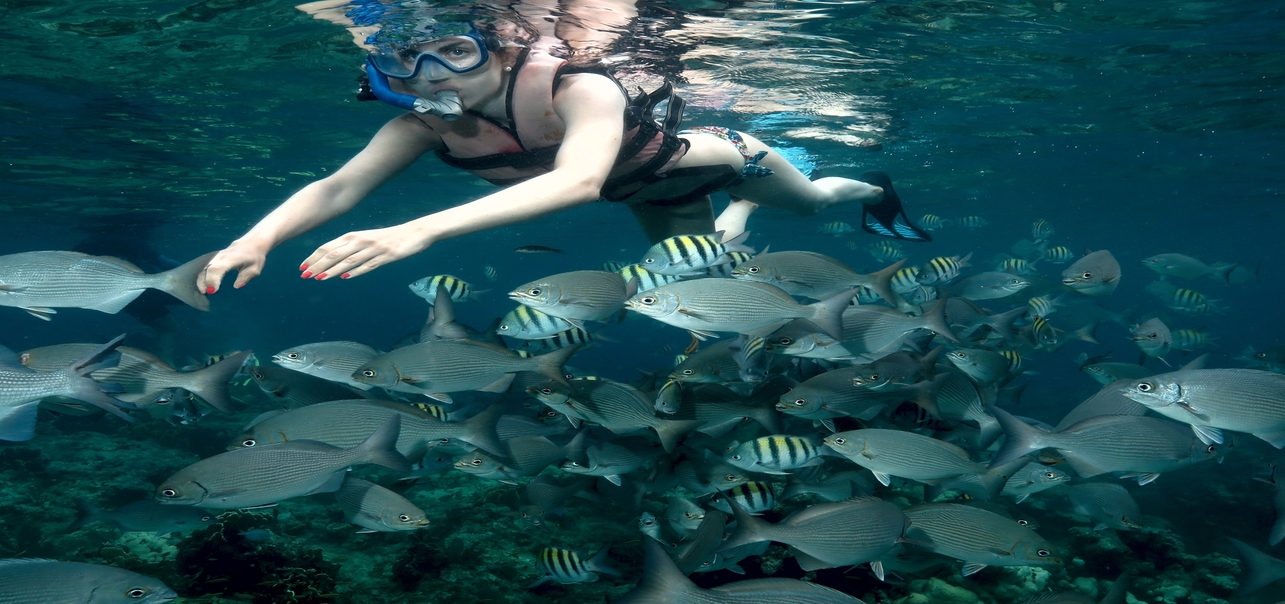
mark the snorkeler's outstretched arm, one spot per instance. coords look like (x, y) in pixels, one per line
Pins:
(390, 151)
(592, 108)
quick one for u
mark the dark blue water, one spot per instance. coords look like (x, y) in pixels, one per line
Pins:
(168, 129)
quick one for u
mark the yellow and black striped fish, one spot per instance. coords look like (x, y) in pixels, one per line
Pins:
(836, 228)
(1191, 302)
(690, 254)
(646, 279)
(725, 270)
(1041, 306)
(490, 272)
(1059, 255)
(1041, 230)
(905, 279)
(1016, 266)
(1016, 362)
(1191, 339)
(775, 454)
(567, 566)
(972, 222)
(886, 251)
(526, 323)
(942, 269)
(458, 289)
(1042, 332)
(933, 222)
(753, 497)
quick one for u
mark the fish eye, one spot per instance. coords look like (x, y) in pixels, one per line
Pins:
(535, 291)
(1043, 553)
(1260, 355)
(550, 413)
(369, 373)
(752, 269)
(292, 355)
(841, 440)
(786, 341)
(206, 518)
(688, 372)
(1144, 387)
(1212, 448)
(136, 592)
(546, 391)
(874, 376)
(649, 261)
(169, 493)
(1050, 475)
(1023, 521)
(444, 440)
(1086, 275)
(504, 327)
(249, 442)
(404, 518)
(477, 461)
(730, 478)
(648, 300)
(800, 401)
(574, 464)
(736, 458)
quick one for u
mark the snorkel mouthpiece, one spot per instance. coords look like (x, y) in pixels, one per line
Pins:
(447, 106)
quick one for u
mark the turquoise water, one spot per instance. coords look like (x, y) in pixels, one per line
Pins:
(162, 128)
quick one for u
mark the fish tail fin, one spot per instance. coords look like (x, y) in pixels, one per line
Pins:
(662, 581)
(993, 480)
(935, 320)
(1260, 569)
(828, 313)
(380, 447)
(88, 514)
(749, 529)
(84, 387)
(211, 383)
(737, 243)
(963, 262)
(598, 563)
(479, 430)
(181, 282)
(1002, 323)
(989, 429)
(926, 393)
(550, 364)
(671, 430)
(881, 282)
(1223, 270)
(1119, 592)
(1020, 438)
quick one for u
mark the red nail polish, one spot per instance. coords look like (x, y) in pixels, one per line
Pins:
(321, 276)
(303, 267)
(209, 290)
(345, 275)
(305, 275)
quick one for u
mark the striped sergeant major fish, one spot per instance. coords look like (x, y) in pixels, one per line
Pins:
(1059, 255)
(459, 289)
(776, 454)
(646, 279)
(1191, 302)
(725, 270)
(943, 269)
(613, 266)
(836, 229)
(1017, 266)
(526, 323)
(1191, 339)
(933, 222)
(886, 251)
(692, 254)
(490, 272)
(567, 566)
(905, 279)
(1041, 230)
(1016, 362)
(972, 222)
(1042, 306)
(753, 497)
(560, 340)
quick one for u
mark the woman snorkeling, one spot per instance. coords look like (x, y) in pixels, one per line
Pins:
(554, 136)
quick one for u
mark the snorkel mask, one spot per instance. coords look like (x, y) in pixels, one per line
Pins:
(428, 50)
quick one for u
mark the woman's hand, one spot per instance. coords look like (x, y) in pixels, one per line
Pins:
(360, 252)
(244, 257)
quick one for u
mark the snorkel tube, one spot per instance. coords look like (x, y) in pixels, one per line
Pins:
(447, 106)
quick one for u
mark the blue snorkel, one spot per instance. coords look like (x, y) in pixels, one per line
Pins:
(447, 106)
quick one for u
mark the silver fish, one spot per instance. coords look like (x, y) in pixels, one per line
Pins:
(1278, 502)
(21, 389)
(1097, 274)
(838, 486)
(609, 460)
(989, 286)
(345, 423)
(1260, 569)
(705, 476)
(985, 367)
(376, 509)
(299, 389)
(813, 275)
(1212, 400)
(683, 516)
(1108, 503)
(334, 361)
(444, 366)
(890, 453)
(828, 535)
(142, 376)
(578, 295)
(145, 516)
(1153, 337)
(692, 254)
(1147, 446)
(33, 581)
(1110, 400)
(617, 407)
(663, 581)
(39, 282)
(705, 306)
(258, 476)
(1033, 478)
(567, 566)
(1179, 265)
(1105, 373)
(698, 549)
(978, 537)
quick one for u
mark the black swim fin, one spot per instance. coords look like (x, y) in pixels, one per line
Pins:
(887, 218)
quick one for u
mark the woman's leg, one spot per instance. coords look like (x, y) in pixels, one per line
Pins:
(661, 222)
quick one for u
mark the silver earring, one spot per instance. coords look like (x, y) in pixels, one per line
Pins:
(508, 68)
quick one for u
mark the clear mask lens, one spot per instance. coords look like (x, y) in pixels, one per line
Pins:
(458, 54)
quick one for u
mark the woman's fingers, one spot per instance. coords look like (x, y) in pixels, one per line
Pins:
(247, 267)
(358, 253)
